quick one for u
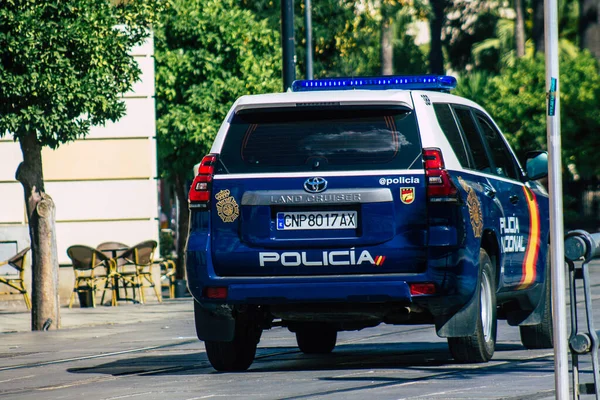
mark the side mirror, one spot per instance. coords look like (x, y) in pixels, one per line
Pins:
(537, 164)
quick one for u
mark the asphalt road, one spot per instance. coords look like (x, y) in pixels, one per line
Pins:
(162, 359)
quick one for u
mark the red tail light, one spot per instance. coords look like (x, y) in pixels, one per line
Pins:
(439, 184)
(215, 292)
(419, 289)
(199, 196)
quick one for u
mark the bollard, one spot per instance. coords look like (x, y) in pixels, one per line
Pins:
(581, 246)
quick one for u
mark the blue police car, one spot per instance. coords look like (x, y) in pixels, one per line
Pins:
(351, 202)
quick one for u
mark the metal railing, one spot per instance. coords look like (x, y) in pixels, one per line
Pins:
(582, 247)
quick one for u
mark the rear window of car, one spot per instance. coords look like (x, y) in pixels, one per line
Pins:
(297, 140)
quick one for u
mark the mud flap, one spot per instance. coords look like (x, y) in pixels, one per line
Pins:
(463, 323)
(529, 318)
(214, 322)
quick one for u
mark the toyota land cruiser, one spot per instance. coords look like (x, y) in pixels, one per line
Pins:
(351, 202)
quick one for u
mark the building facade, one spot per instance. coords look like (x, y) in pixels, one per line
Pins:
(104, 185)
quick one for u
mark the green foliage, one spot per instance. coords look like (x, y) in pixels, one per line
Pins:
(345, 40)
(517, 100)
(208, 53)
(568, 19)
(499, 50)
(474, 86)
(346, 35)
(409, 59)
(65, 64)
(493, 49)
(354, 43)
(167, 243)
(468, 22)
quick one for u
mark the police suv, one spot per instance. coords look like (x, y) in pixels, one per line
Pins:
(351, 202)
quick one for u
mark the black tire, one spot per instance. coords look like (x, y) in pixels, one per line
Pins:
(480, 347)
(237, 355)
(540, 336)
(316, 340)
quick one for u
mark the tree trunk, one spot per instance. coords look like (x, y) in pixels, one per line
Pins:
(183, 221)
(387, 49)
(436, 23)
(44, 261)
(537, 33)
(520, 29)
(589, 26)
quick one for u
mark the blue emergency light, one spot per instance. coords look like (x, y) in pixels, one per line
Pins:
(442, 83)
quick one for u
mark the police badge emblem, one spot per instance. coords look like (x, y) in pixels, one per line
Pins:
(407, 194)
(474, 207)
(227, 208)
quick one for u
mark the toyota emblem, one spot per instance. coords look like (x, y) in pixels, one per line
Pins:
(315, 185)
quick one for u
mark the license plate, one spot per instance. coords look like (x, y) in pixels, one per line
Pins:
(316, 220)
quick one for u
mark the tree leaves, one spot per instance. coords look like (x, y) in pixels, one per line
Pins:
(208, 53)
(516, 98)
(64, 65)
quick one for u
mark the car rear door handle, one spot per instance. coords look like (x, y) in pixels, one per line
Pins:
(514, 199)
(489, 191)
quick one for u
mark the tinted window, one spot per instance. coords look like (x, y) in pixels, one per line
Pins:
(469, 128)
(503, 160)
(284, 140)
(450, 129)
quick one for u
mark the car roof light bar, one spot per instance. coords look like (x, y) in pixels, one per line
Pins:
(442, 83)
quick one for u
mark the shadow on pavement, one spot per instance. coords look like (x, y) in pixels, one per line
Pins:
(422, 356)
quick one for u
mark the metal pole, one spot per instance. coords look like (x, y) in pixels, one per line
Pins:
(561, 363)
(309, 50)
(287, 43)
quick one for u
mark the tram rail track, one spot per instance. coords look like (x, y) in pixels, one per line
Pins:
(270, 355)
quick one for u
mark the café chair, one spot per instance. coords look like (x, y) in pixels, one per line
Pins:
(91, 269)
(167, 273)
(17, 281)
(114, 251)
(141, 256)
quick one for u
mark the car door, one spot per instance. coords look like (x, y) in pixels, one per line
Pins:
(499, 175)
(519, 226)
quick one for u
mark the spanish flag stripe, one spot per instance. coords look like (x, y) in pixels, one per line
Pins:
(531, 253)
(379, 260)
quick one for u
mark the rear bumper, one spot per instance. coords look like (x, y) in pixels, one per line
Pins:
(352, 292)
(454, 285)
(346, 289)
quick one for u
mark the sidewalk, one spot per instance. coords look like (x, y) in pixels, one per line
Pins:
(14, 316)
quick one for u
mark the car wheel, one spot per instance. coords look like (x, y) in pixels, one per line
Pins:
(540, 336)
(316, 340)
(480, 346)
(238, 354)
